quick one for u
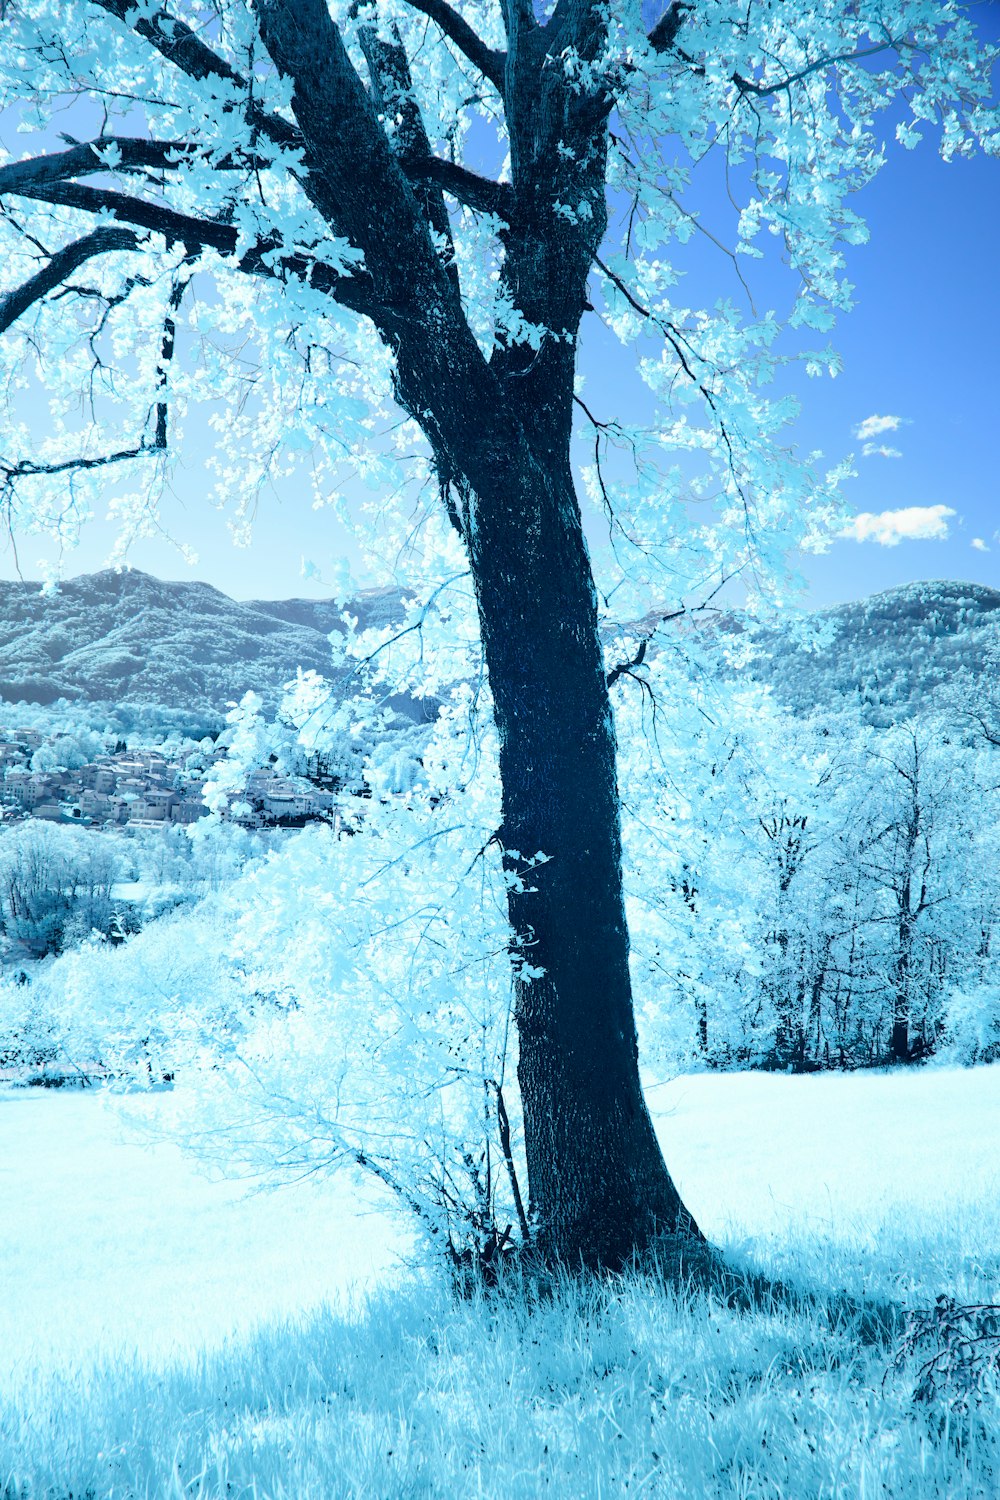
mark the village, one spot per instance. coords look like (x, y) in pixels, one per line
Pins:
(140, 789)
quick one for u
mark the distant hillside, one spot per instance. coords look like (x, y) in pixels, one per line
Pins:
(129, 638)
(889, 656)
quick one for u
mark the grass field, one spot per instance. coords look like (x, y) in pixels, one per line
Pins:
(164, 1335)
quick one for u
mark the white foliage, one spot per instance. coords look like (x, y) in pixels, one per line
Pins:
(792, 111)
(971, 1025)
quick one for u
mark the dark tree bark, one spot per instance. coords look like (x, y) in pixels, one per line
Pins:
(899, 1045)
(599, 1188)
(909, 834)
(500, 432)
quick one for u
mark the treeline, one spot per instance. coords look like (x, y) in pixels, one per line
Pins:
(831, 892)
(804, 893)
(60, 885)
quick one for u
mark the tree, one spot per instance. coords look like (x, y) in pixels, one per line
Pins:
(335, 157)
(54, 881)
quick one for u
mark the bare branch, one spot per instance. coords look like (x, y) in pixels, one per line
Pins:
(28, 468)
(653, 623)
(157, 444)
(663, 38)
(490, 63)
(675, 339)
(627, 667)
(763, 90)
(479, 193)
(103, 241)
(508, 1156)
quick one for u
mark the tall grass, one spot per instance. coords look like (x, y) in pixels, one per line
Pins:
(596, 1389)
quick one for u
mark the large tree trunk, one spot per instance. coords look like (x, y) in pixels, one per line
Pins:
(600, 1191)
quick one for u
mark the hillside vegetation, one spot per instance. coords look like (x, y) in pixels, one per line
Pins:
(129, 638)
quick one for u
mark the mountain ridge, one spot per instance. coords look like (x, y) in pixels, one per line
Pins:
(131, 638)
(889, 656)
(111, 637)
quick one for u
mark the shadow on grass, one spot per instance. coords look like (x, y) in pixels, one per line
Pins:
(692, 1268)
(693, 1377)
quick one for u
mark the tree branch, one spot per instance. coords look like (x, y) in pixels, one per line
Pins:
(508, 1156)
(664, 33)
(100, 461)
(206, 234)
(663, 38)
(103, 241)
(626, 668)
(393, 95)
(763, 90)
(358, 183)
(182, 46)
(84, 159)
(479, 193)
(490, 63)
(27, 468)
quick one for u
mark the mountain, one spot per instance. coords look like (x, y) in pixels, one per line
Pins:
(890, 657)
(129, 638)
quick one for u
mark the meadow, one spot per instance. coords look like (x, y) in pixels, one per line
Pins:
(169, 1335)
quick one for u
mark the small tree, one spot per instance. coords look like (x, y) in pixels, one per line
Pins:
(314, 179)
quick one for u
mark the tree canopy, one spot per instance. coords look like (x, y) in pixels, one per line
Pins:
(203, 218)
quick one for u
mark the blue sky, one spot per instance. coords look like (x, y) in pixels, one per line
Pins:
(922, 346)
(921, 379)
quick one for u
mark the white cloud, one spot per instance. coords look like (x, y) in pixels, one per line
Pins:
(873, 427)
(913, 523)
(979, 544)
(872, 450)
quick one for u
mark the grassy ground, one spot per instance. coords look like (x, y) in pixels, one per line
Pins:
(608, 1390)
(600, 1391)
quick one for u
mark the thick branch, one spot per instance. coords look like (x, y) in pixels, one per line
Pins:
(182, 46)
(174, 40)
(491, 64)
(357, 181)
(480, 193)
(392, 92)
(205, 234)
(63, 263)
(175, 227)
(84, 159)
(664, 33)
(626, 668)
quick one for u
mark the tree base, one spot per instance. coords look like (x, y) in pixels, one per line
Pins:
(688, 1266)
